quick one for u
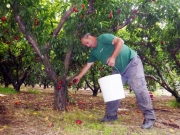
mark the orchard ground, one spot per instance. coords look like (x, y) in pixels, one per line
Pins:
(30, 112)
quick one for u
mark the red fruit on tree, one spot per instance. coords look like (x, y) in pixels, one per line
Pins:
(3, 19)
(82, 6)
(135, 11)
(78, 122)
(100, 68)
(133, 16)
(16, 37)
(59, 87)
(60, 82)
(70, 84)
(7, 31)
(8, 42)
(119, 11)
(36, 22)
(162, 42)
(111, 15)
(75, 9)
(75, 80)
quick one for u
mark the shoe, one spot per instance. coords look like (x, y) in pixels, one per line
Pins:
(148, 123)
(109, 118)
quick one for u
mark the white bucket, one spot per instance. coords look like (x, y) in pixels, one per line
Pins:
(111, 87)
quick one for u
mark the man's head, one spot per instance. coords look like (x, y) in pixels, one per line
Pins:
(89, 40)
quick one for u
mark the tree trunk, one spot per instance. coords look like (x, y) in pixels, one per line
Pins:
(176, 95)
(15, 81)
(95, 91)
(17, 87)
(44, 86)
(60, 97)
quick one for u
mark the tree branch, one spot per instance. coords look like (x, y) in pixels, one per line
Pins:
(88, 84)
(28, 35)
(67, 61)
(62, 21)
(131, 18)
(91, 9)
(60, 25)
(174, 51)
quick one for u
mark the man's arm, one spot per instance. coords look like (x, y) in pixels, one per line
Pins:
(118, 43)
(83, 72)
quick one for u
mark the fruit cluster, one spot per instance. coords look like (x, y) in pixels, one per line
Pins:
(76, 10)
(61, 82)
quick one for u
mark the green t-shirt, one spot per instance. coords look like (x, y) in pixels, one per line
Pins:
(105, 48)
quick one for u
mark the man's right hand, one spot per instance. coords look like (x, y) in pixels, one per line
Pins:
(76, 80)
(82, 73)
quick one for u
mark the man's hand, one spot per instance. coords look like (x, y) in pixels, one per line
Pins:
(111, 61)
(118, 43)
(76, 80)
(82, 73)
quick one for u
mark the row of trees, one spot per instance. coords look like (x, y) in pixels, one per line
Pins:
(40, 36)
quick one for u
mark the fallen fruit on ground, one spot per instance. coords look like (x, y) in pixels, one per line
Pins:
(78, 122)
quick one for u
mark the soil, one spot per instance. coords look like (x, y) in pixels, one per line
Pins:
(168, 118)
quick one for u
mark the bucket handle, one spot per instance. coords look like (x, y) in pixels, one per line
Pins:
(115, 68)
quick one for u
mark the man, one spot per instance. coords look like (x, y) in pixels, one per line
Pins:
(112, 51)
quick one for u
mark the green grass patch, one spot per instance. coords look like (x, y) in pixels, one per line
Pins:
(90, 123)
(4, 90)
(174, 103)
(32, 91)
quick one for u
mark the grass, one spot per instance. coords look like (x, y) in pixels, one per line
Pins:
(65, 123)
(7, 90)
(4, 90)
(38, 121)
(174, 103)
(33, 91)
